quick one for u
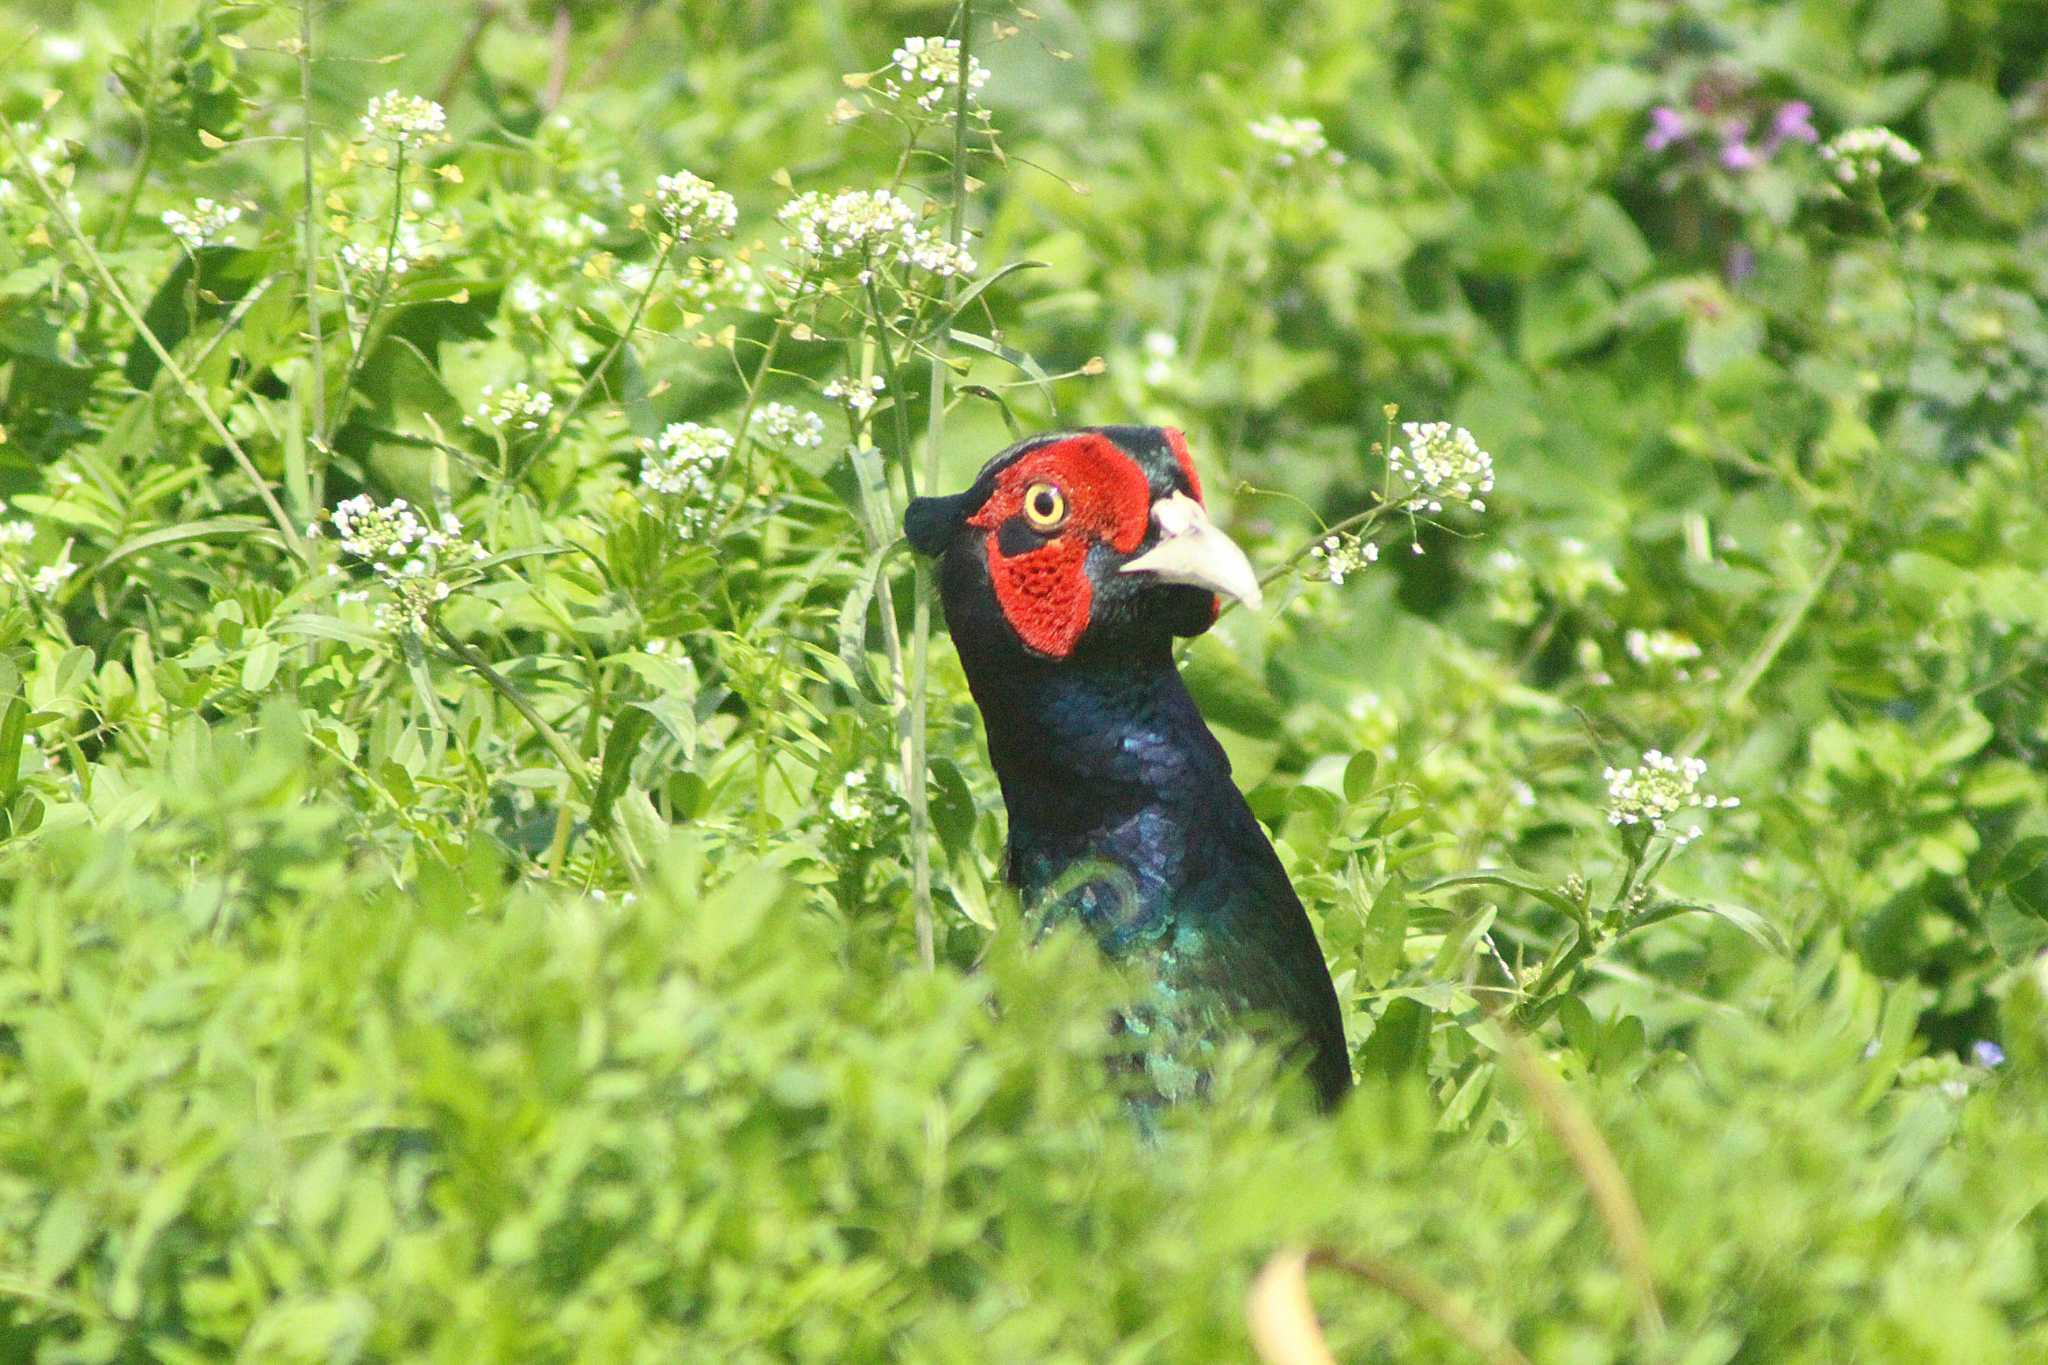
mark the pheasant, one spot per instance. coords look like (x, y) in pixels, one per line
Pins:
(1066, 571)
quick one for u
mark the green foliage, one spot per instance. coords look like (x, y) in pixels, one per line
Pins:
(497, 934)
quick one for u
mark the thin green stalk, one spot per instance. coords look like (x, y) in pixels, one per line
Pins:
(145, 100)
(362, 347)
(916, 740)
(604, 366)
(572, 763)
(311, 228)
(193, 393)
(1769, 648)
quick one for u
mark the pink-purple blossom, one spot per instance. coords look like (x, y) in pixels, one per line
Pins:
(1667, 126)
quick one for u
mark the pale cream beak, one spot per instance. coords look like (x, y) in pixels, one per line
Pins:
(1192, 551)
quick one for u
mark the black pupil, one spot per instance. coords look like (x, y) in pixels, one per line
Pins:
(1045, 504)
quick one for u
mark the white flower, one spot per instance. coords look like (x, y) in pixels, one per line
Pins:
(1661, 787)
(868, 226)
(1443, 464)
(15, 532)
(792, 426)
(405, 247)
(51, 577)
(857, 396)
(1648, 647)
(1866, 153)
(207, 221)
(683, 462)
(7, 191)
(405, 121)
(519, 407)
(689, 202)
(525, 296)
(1295, 141)
(62, 50)
(410, 559)
(929, 69)
(1339, 556)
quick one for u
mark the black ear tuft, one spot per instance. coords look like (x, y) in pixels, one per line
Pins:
(931, 523)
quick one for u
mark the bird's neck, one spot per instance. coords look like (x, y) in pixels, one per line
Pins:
(1105, 761)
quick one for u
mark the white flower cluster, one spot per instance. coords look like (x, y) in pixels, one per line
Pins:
(1649, 647)
(849, 801)
(873, 227)
(407, 249)
(857, 396)
(1866, 153)
(519, 408)
(792, 426)
(929, 69)
(1296, 141)
(1657, 790)
(405, 121)
(206, 223)
(15, 532)
(683, 462)
(408, 557)
(525, 295)
(1443, 464)
(1338, 557)
(51, 577)
(709, 282)
(689, 203)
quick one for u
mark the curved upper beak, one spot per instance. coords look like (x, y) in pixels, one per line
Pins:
(1193, 551)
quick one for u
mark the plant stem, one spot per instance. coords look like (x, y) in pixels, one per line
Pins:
(311, 231)
(916, 741)
(190, 387)
(571, 761)
(1576, 1132)
(597, 375)
(362, 347)
(1769, 648)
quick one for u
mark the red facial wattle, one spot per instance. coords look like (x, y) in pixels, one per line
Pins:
(1044, 591)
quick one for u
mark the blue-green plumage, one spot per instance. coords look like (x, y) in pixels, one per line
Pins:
(1122, 811)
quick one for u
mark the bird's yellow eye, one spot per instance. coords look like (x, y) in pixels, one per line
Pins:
(1045, 507)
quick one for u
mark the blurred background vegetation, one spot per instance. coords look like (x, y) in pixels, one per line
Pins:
(535, 976)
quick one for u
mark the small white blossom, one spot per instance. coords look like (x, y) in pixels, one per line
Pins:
(689, 202)
(405, 121)
(1161, 350)
(62, 50)
(859, 397)
(206, 223)
(928, 70)
(848, 803)
(683, 463)
(1649, 647)
(15, 532)
(51, 577)
(411, 559)
(1443, 464)
(405, 247)
(1657, 790)
(1867, 153)
(792, 426)
(1295, 141)
(1337, 557)
(520, 407)
(870, 227)
(525, 296)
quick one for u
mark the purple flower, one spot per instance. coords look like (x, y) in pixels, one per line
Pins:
(1986, 1053)
(1738, 155)
(1792, 123)
(1666, 127)
(1740, 263)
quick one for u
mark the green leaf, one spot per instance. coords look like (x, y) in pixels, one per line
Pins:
(629, 727)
